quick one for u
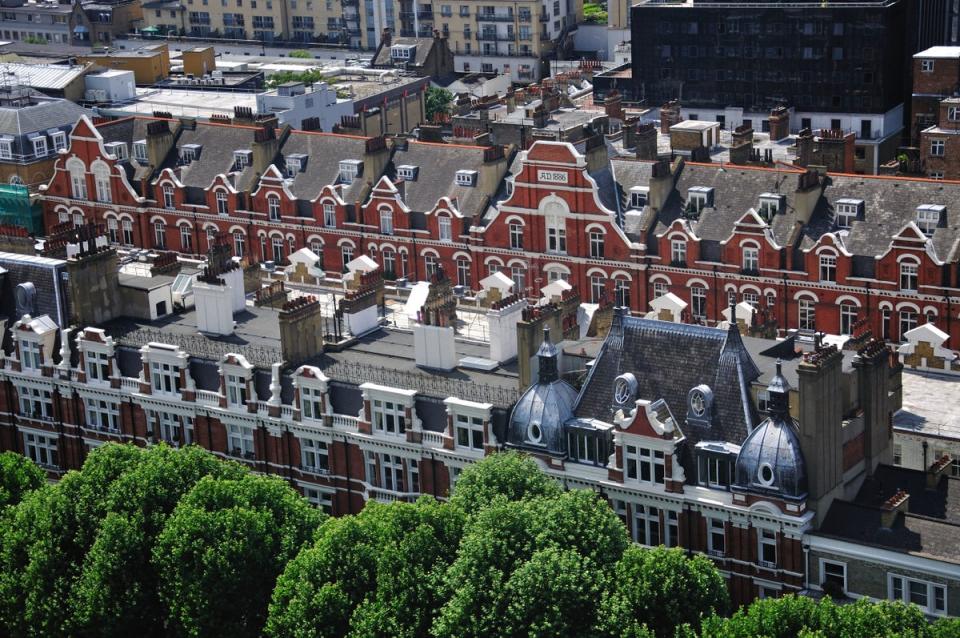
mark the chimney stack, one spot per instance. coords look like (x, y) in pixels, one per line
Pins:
(301, 330)
(779, 124)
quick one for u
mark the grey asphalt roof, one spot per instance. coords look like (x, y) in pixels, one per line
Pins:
(42, 76)
(929, 528)
(668, 360)
(218, 143)
(424, 46)
(41, 115)
(929, 404)
(130, 130)
(325, 151)
(436, 176)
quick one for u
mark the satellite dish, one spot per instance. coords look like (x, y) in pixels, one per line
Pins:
(26, 296)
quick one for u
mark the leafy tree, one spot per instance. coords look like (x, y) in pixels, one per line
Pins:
(660, 588)
(380, 573)
(437, 102)
(230, 538)
(554, 594)
(44, 539)
(300, 53)
(509, 475)
(117, 589)
(501, 538)
(800, 616)
(18, 475)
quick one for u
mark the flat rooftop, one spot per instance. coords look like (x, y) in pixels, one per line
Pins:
(385, 356)
(930, 403)
(783, 150)
(939, 52)
(179, 102)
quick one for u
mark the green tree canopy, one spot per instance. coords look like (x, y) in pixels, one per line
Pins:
(18, 475)
(508, 475)
(380, 573)
(300, 53)
(660, 588)
(232, 537)
(437, 101)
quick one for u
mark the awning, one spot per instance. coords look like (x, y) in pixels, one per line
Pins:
(80, 29)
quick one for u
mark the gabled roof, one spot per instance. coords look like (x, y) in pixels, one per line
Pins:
(324, 152)
(436, 176)
(668, 360)
(39, 116)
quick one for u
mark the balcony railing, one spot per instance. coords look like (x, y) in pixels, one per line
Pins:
(207, 397)
(496, 37)
(390, 496)
(495, 17)
(129, 383)
(345, 422)
(433, 438)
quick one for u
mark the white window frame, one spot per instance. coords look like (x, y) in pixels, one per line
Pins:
(766, 539)
(596, 244)
(314, 455)
(678, 251)
(311, 403)
(30, 355)
(598, 287)
(59, 140)
(35, 403)
(140, 151)
(938, 147)
(639, 461)
(828, 267)
(240, 440)
(168, 201)
(386, 221)
(825, 563)
(909, 275)
(716, 530)
(102, 414)
(222, 207)
(319, 498)
(848, 317)
(445, 226)
(847, 211)
(126, 232)
(236, 390)
(165, 378)
(806, 313)
(926, 66)
(97, 365)
(329, 216)
(928, 217)
(6, 149)
(468, 432)
(388, 417)
(273, 208)
(39, 146)
(41, 449)
(516, 236)
(557, 235)
(647, 529)
(750, 258)
(902, 583)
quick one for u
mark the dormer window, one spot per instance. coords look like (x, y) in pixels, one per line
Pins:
(59, 139)
(639, 195)
(771, 204)
(118, 150)
(242, 159)
(928, 217)
(97, 365)
(407, 172)
(848, 211)
(30, 354)
(402, 52)
(698, 198)
(466, 178)
(189, 153)
(165, 378)
(140, 151)
(296, 163)
(6, 148)
(236, 390)
(350, 170)
(40, 146)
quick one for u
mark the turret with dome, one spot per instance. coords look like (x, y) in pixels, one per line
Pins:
(537, 420)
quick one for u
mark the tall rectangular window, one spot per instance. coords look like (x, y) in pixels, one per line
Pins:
(388, 417)
(646, 525)
(828, 267)
(767, 550)
(240, 441)
(165, 377)
(329, 216)
(596, 245)
(102, 414)
(311, 403)
(807, 314)
(444, 226)
(314, 456)
(908, 276)
(97, 366)
(516, 236)
(468, 432)
(678, 252)
(716, 537)
(751, 259)
(41, 449)
(236, 390)
(556, 235)
(698, 302)
(30, 354)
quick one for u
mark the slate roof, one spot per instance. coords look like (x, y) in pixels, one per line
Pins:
(130, 130)
(422, 52)
(324, 152)
(218, 143)
(930, 527)
(668, 360)
(41, 115)
(436, 176)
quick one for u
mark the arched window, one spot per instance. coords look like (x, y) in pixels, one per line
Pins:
(273, 207)
(389, 263)
(78, 178)
(222, 203)
(908, 275)
(828, 267)
(186, 239)
(516, 236)
(101, 181)
(596, 244)
(598, 288)
(239, 243)
(277, 246)
(751, 259)
(168, 202)
(848, 317)
(463, 272)
(159, 235)
(807, 309)
(112, 230)
(622, 291)
(126, 227)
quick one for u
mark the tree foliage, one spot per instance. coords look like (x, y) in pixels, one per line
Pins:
(300, 53)
(660, 588)
(18, 475)
(437, 102)
(232, 537)
(507, 475)
(792, 616)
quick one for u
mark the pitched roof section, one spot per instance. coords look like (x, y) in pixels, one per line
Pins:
(324, 152)
(668, 360)
(217, 146)
(437, 166)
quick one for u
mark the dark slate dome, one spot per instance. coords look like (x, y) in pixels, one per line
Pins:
(536, 422)
(770, 459)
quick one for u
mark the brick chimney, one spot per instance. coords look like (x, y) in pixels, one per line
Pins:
(804, 148)
(893, 507)
(301, 329)
(613, 104)
(385, 37)
(741, 147)
(645, 141)
(779, 123)
(669, 115)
